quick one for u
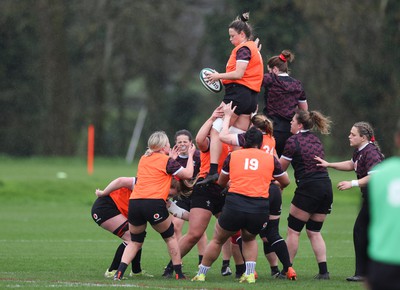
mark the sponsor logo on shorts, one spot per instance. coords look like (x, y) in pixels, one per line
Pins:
(96, 218)
(156, 217)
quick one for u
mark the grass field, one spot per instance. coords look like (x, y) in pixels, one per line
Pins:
(48, 239)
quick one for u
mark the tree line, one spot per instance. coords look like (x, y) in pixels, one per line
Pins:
(67, 64)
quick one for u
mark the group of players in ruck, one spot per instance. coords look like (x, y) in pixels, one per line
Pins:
(236, 172)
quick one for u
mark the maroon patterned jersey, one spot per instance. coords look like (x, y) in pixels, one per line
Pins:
(282, 95)
(300, 150)
(243, 53)
(364, 160)
(173, 166)
(196, 162)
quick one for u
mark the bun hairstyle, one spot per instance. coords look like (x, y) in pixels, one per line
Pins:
(241, 24)
(245, 16)
(253, 138)
(281, 61)
(157, 141)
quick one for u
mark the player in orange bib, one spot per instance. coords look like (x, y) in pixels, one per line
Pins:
(242, 81)
(110, 211)
(148, 200)
(246, 208)
(273, 244)
(207, 199)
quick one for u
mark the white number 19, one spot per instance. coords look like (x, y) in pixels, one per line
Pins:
(251, 164)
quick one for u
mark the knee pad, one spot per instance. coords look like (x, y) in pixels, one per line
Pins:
(168, 233)
(217, 124)
(139, 238)
(295, 224)
(267, 248)
(120, 231)
(314, 226)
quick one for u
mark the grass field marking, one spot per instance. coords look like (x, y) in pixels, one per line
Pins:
(73, 284)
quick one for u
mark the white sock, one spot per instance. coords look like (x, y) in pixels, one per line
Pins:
(203, 269)
(250, 267)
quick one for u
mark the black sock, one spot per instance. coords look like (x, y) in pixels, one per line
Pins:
(274, 269)
(178, 269)
(323, 267)
(213, 168)
(121, 270)
(136, 268)
(240, 269)
(281, 250)
(225, 263)
(117, 257)
(169, 265)
(200, 258)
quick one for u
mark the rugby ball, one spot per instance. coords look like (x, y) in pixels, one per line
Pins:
(214, 87)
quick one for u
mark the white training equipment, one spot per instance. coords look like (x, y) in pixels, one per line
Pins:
(217, 125)
(175, 210)
(214, 87)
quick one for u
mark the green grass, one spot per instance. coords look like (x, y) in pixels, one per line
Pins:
(48, 239)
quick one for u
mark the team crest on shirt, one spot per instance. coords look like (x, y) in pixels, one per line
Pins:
(156, 216)
(265, 225)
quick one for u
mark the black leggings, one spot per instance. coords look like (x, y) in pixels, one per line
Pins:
(360, 239)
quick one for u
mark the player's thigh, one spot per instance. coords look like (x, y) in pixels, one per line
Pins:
(299, 213)
(198, 221)
(221, 235)
(113, 223)
(163, 226)
(178, 223)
